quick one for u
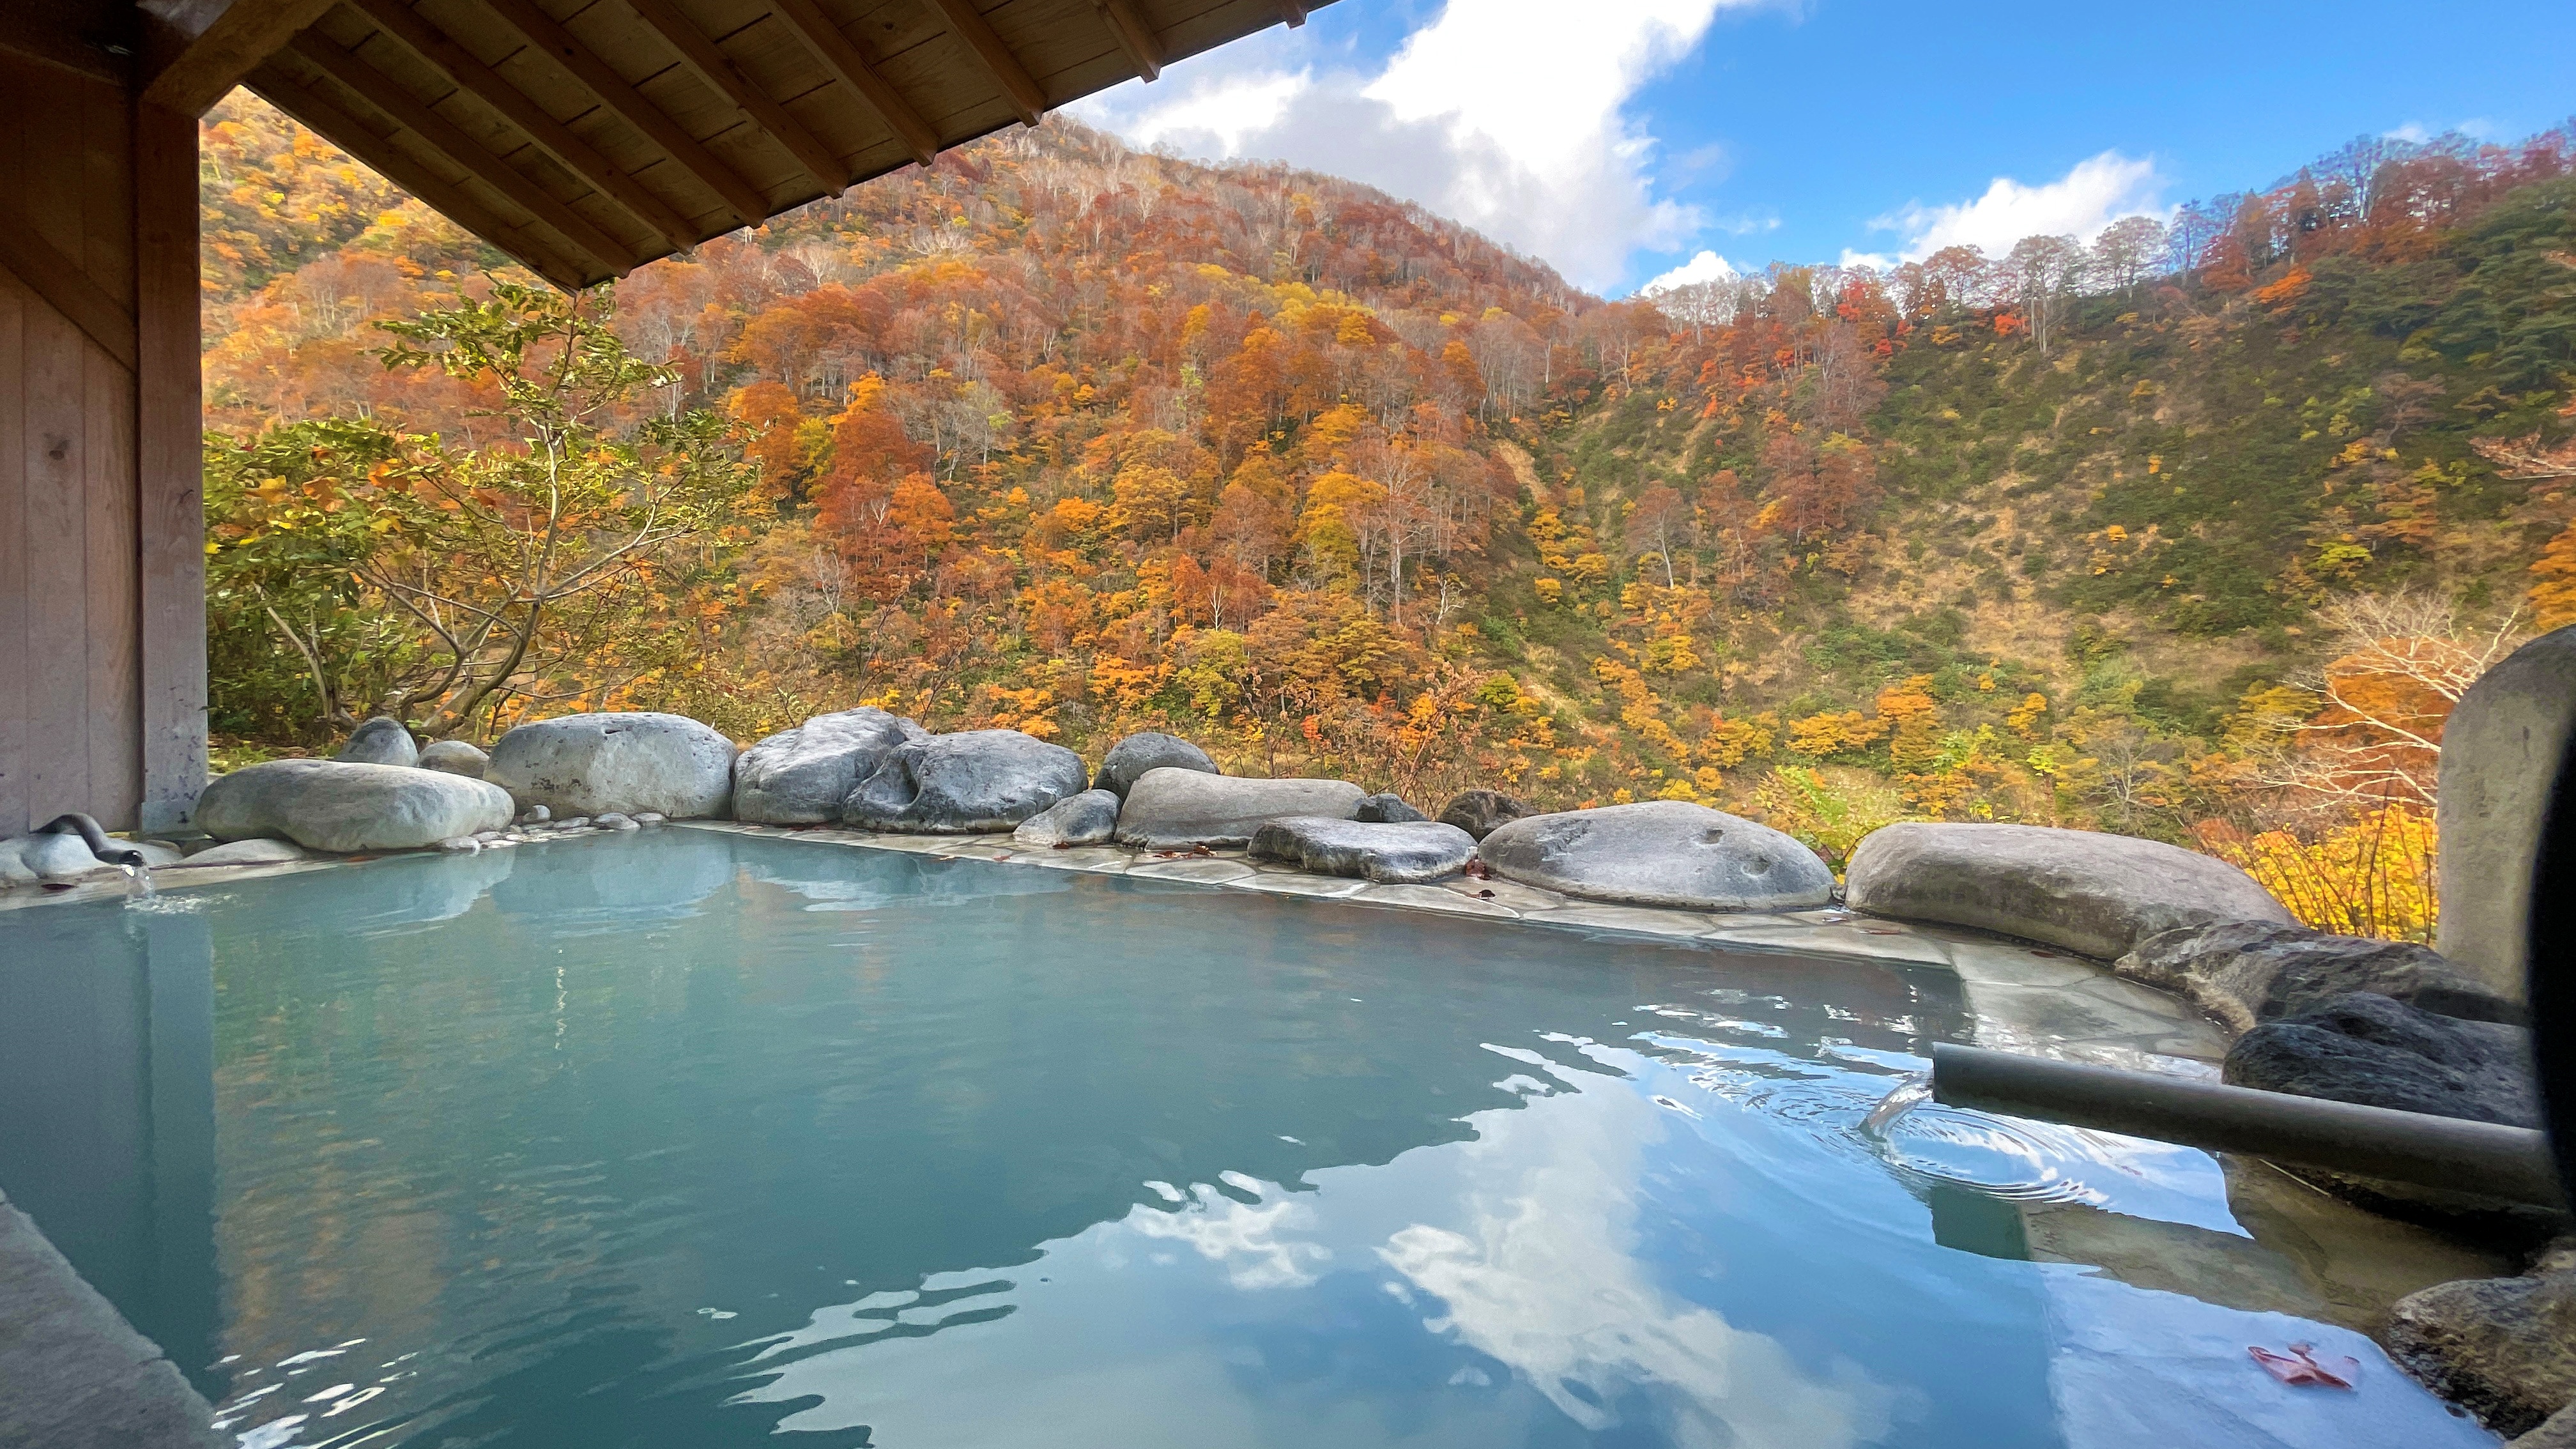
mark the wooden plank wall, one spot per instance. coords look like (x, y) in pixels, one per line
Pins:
(75, 649)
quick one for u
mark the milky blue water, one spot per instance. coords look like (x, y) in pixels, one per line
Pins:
(693, 1139)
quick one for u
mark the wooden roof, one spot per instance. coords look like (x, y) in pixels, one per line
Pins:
(587, 137)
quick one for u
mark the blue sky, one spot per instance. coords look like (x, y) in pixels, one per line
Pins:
(1619, 139)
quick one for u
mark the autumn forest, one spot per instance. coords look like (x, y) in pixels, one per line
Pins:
(2194, 530)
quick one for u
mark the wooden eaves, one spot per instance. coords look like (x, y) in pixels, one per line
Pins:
(586, 137)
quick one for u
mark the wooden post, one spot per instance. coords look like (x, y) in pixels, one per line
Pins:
(169, 465)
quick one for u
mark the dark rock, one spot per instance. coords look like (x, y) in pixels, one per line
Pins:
(1175, 809)
(2366, 1048)
(2502, 1348)
(1090, 818)
(801, 776)
(1388, 852)
(581, 764)
(2246, 972)
(1129, 759)
(380, 741)
(1386, 810)
(1481, 812)
(2500, 750)
(2095, 894)
(1660, 853)
(2559, 1432)
(962, 783)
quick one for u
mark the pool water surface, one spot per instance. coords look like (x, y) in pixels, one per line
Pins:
(698, 1139)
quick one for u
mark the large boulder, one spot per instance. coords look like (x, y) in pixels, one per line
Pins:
(454, 757)
(2502, 1348)
(2500, 753)
(583, 764)
(380, 741)
(2247, 972)
(2094, 894)
(1090, 818)
(1661, 853)
(1402, 852)
(336, 805)
(1177, 807)
(2369, 1049)
(1129, 759)
(801, 776)
(1481, 812)
(961, 783)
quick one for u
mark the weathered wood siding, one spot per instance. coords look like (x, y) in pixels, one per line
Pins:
(96, 618)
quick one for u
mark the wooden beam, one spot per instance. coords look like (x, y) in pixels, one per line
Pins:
(67, 289)
(472, 77)
(398, 166)
(1133, 36)
(195, 50)
(808, 23)
(726, 79)
(1291, 11)
(169, 454)
(544, 35)
(1027, 101)
(449, 139)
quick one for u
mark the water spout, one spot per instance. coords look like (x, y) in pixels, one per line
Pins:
(1910, 1093)
(139, 881)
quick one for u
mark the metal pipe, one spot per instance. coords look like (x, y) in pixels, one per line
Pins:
(2512, 1163)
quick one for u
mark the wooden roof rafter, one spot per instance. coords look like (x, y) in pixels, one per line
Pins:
(445, 137)
(765, 114)
(470, 76)
(542, 255)
(1134, 36)
(547, 37)
(815, 29)
(1028, 100)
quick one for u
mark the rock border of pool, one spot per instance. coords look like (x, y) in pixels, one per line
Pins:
(2023, 997)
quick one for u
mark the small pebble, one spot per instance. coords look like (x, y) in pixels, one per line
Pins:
(648, 817)
(487, 836)
(608, 820)
(535, 814)
(460, 845)
(575, 823)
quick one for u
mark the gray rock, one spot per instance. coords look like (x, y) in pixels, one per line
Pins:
(649, 817)
(2502, 1348)
(578, 822)
(2366, 1048)
(1085, 819)
(801, 776)
(535, 815)
(2246, 972)
(380, 741)
(1388, 852)
(454, 757)
(336, 805)
(585, 763)
(2094, 894)
(966, 782)
(46, 856)
(1129, 759)
(249, 852)
(1387, 810)
(1660, 853)
(2500, 751)
(1481, 812)
(1177, 807)
(611, 820)
(461, 845)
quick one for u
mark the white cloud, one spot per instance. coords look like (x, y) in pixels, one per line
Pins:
(1529, 142)
(1706, 267)
(2097, 192)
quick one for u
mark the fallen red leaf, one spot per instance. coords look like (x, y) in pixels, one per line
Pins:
(2300, 1369)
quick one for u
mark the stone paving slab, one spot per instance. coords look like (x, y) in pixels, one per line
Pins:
(73, 1373)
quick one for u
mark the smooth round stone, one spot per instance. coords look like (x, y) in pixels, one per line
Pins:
(341, 806)
(575, 823)
(536, 813)
(460, 845)
(648, 817)
(611, 820)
